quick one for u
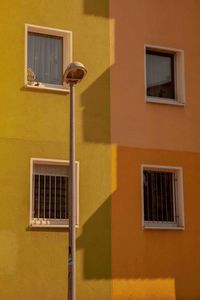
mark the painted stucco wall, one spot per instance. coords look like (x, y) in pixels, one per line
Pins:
(153, 264)
(33, 263)
(171, 24)
(116, 133)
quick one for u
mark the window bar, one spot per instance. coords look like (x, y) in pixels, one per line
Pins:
(55, 200)
(166, 176)
(38, 196)
(157, 212)
(44, 196)
(49, 197)
(66, 190)
(161, 194)
(52, 196)
(34, 197)
(171, 198)
(156, 200)
(60, 195)
(153, 194)
(65, 195)
(63, 201)
(147, 200)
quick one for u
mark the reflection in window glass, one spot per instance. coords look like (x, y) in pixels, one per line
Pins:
(160, 74)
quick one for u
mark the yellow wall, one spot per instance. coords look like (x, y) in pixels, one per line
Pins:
(116, 133)
(33, 263)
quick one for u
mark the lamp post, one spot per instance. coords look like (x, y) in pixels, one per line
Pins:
(72, 75)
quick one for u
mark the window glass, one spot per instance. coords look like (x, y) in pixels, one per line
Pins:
(160, 74)
(45, 57)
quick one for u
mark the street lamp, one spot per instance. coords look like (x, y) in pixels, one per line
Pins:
(72, 75)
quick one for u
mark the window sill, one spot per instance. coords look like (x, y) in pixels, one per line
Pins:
(50, 223)
(47, 88)
(50, 226)
(164, 101)
(163, 228)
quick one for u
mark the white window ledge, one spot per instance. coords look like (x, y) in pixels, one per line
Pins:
(50, 223)
(163, 228)
(47, 88)
(164, 101)
(50, 226)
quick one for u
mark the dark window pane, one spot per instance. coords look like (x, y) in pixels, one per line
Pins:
(58, 198)
(160, 74)
(52, 209)
(41, 196)
(146, 196)
(47, 196)
(64, 202)
(36, 195)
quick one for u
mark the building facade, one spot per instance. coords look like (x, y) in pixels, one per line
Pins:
(137, 149)
(154, 125)
(35, 129)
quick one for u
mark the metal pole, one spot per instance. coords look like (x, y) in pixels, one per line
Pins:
(72, 207)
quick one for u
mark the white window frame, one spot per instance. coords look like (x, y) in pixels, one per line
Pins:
(180, 225)
(42, 222)
(67, 55)
(179, 76)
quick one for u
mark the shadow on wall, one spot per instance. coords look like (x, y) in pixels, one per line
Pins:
(96, 114)
(97, 8)
(96, 242)
(96, 238)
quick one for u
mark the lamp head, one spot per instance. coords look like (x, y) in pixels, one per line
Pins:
(74, 73)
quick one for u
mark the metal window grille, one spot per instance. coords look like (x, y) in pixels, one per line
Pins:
(50, 196)
(159, 197)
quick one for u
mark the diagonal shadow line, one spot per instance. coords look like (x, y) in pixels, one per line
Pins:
(97, 8)
(96, 113)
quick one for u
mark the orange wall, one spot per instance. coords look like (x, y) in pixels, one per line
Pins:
(154, 264)
(167, 23)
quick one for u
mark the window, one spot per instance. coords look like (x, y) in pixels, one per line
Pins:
(164, 76)
(160, 74)
(50, 193)
(48, 52)
(162, 190)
